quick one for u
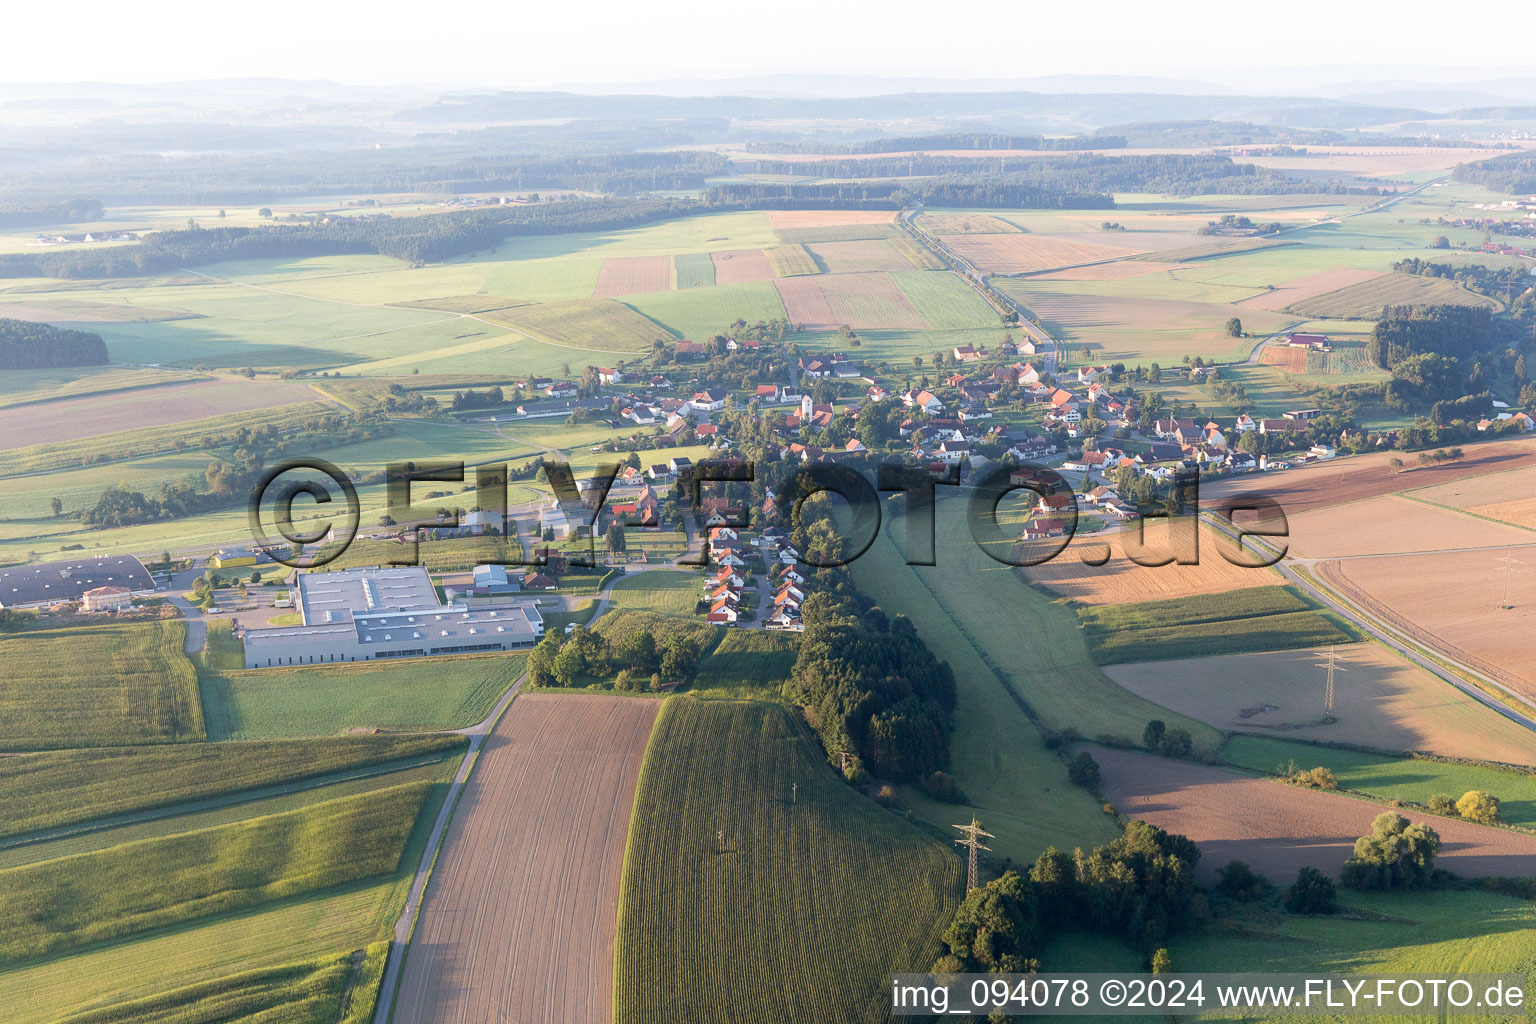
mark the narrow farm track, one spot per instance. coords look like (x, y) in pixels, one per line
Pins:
(520, 920)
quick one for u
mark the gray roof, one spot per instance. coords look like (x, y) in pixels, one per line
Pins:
(338, 596)
(68, 581)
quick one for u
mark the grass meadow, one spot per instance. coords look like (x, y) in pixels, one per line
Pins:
(326, 700)
(659, 590)
(691, 911)
(748, 663)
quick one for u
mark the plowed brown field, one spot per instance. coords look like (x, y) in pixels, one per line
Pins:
(1451, 602)
(1392, 524)
(633, 275)
(1291, 360)
(1122, 581)
(733, 266)
(826, 218)
(1381, 701)
(1278, 828)
(1014, 254)
(862, 301)
(1282, 295)
(68, 419)
(521, 912)
(1336, 481)
(1508, 497)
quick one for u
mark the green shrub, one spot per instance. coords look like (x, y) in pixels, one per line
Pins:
(1312, 893)
(1479, 806)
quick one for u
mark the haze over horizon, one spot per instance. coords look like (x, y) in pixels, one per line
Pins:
(1316, 46)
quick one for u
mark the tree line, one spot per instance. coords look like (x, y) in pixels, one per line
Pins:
(942, 140)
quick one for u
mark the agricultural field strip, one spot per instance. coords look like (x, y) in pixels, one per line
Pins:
(229, 800)
(506, 890)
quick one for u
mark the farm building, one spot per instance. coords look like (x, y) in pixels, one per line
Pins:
(234, 558)
(106, 599)
(1316, 342)
(363, 614)
(37, 586)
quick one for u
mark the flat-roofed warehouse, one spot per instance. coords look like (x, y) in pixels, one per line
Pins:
(37, 586)
(364, 614)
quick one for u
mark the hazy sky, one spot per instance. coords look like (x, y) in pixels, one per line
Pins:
(537, 44)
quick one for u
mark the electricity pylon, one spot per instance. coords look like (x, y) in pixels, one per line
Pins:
(973, 842)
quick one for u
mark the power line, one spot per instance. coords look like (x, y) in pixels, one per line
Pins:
(1332, 668)
(1509, 566)
(973, 842)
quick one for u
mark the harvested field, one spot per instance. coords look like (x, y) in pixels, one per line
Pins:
(1116, 271)
(1364, 301)
(1122, 581)
(734, 266)
(919, 255)
(633, 275)
(791, 260)
(1283, 295)
(1410, 592)
(69, 419)
(1278, 828)
(1506, 497)
(860, 257)
(601, 325)
(1335, 481)
(862, 301)
(1021, 254)
(968, 224)
(827, 218)
(1289, 359)
(520, 917)
(1381, 701)
(1391, 524)
(1211, 250)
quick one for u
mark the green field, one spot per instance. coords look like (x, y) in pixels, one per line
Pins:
(324, 700)
(658, 590)
(1405, 933)
(748, 663)
(98, 685)
(945, 301)
(836, 890)
(1235, 622)
(616, 626)
(50, 790)
(694, 269)
(701, 313)
(56, 905)
(1392, 778)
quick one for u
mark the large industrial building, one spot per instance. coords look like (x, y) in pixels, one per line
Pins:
(39, 586)
(363, 614)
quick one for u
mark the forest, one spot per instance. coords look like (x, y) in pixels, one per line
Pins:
(25, 345)
(1515, 172)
